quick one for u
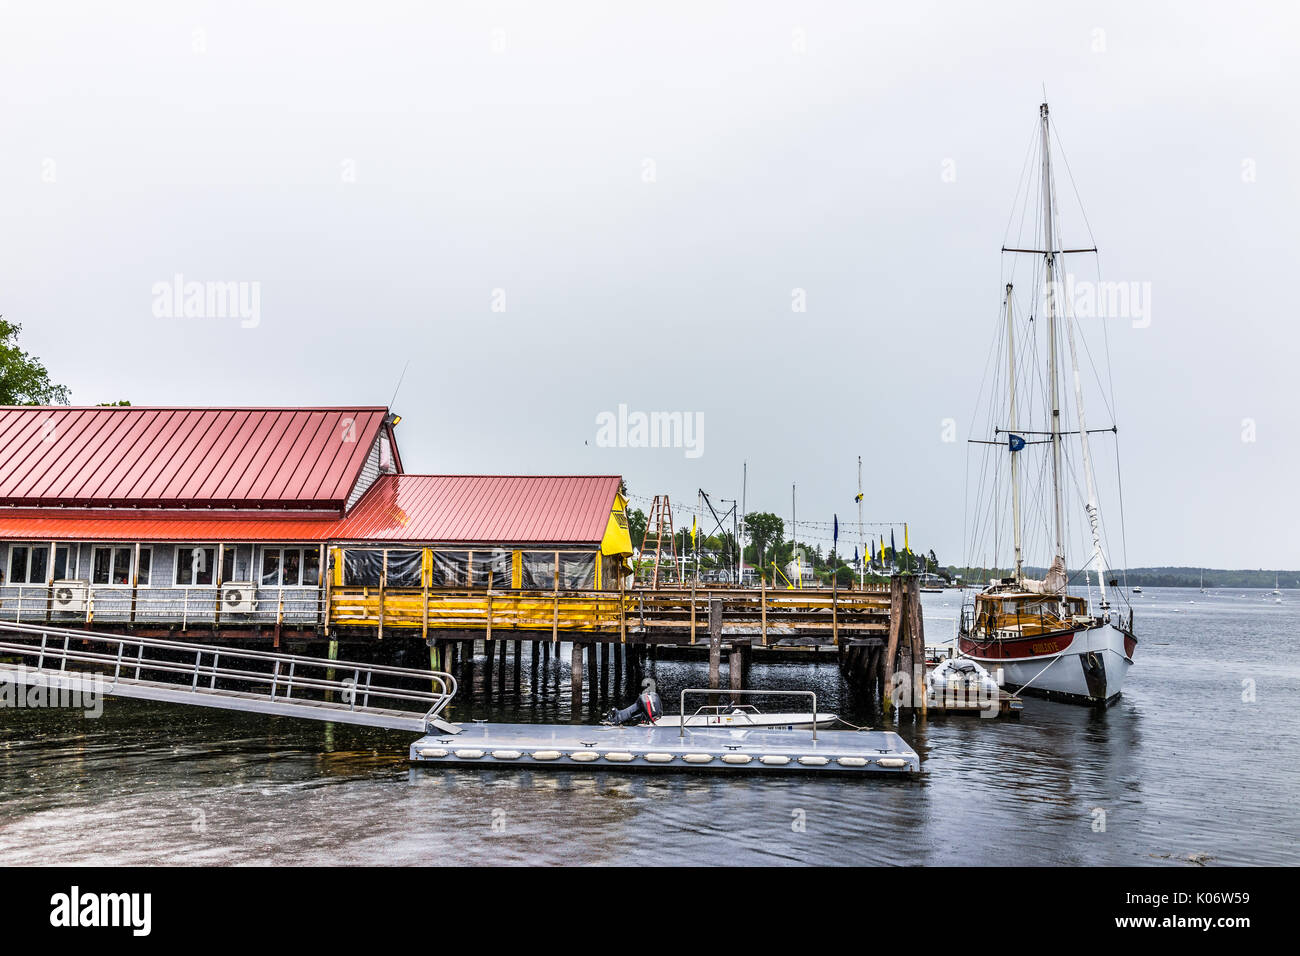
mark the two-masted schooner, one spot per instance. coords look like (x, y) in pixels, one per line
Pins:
(1037, 635)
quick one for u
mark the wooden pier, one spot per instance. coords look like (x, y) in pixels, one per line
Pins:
(875, 634)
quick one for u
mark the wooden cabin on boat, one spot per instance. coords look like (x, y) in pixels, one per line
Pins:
(236, 518)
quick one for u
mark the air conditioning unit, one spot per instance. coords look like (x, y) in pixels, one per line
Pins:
(237, 597)
(70, 596)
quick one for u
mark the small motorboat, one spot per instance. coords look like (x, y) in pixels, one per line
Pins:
(647, 710)
(963, 677)
(1137, 590)
(747, 715)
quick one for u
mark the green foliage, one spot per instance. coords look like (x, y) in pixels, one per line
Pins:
(23, 379)
(636, 525)
(764, 528)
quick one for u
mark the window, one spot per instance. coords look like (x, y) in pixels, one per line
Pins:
(196, 566)
(29, 563)
(450, 569)
(112, 565)
(578, 571)
(537, 570)
(404, 569)
(363, 569)
(292, 567)
(490, 569)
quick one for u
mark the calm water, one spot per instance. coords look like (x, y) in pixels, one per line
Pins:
(1180, 766)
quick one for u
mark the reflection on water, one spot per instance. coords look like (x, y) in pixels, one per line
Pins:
(1181, 765)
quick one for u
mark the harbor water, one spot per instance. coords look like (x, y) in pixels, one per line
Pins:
(1194, 765)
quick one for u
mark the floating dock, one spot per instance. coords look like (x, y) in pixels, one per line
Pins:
(666, 748)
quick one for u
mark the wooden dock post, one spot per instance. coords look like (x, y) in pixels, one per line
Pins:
(575, 676)
(736, 666)
(593, 672)
(715, 641)
(501, 668)
(916, 630)
(896, 612)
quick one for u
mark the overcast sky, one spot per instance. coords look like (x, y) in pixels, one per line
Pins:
(647, 185)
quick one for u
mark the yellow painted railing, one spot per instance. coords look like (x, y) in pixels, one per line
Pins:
(680, 611)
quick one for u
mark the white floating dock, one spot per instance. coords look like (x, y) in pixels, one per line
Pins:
(664, 748)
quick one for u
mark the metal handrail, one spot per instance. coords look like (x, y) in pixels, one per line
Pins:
(273, 684)
(754, 693)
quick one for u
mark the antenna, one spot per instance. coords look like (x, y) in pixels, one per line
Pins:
(399, 384)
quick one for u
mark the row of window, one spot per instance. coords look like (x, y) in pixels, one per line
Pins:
(489, 568)
(195, 566)
(300, 567)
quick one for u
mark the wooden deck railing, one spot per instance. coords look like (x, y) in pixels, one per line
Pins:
(682, 613)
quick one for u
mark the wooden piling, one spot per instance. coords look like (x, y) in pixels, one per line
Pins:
(575, 675)
(715, 641)
(896, 601)
(916, 629)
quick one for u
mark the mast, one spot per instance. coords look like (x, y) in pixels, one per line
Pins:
(1015, 456)
(744, 487)
(794, 543)
(862, 541)
(1050, 287)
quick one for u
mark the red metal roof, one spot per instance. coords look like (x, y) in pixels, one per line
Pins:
(552, 509)
(148, 457)
(483, 508)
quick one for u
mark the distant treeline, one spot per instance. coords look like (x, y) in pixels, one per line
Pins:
(1160, 577)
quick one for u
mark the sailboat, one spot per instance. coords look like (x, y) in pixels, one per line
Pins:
(1276, 588)
(1038, 636)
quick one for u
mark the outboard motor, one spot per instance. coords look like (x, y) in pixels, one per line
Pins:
(646, 709)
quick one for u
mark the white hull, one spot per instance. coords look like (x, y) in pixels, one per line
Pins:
(1091, 669)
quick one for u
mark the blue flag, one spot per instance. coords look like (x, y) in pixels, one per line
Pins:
(1015, 442)
(836, 538)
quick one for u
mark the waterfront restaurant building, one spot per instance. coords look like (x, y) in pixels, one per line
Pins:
(171, 519)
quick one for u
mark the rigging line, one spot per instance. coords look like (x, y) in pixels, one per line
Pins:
(1110, 371)
(1073, 185)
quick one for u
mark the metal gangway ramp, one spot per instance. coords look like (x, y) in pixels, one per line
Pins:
(229, 678)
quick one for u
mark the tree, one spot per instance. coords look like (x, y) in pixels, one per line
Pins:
(23, 379)
(636, 525)
(764, 528)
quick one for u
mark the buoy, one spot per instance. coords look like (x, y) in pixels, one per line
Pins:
(892, 762)
(469, 754)
(619, 756)
(814, 761)
(775, 760)
(852, 761)
(658, 758)
(736, 758)
(432, 752)
(584, 756)
(507, 754)
(697, 758)
(547, 755)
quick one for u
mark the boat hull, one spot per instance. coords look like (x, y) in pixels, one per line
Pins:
(1085, 666)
